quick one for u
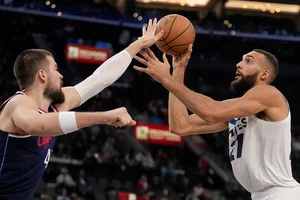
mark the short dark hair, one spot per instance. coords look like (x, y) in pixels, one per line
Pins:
(273, 63)
(27, 65)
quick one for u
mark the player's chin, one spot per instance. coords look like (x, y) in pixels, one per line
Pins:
(234, 81)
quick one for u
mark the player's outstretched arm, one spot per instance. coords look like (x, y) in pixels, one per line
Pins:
(107, 73)
(180, 122)
(257, 99)
(264, 98)
(26, 118)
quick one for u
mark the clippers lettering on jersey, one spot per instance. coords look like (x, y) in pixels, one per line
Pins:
(237, 129)
(44, 141)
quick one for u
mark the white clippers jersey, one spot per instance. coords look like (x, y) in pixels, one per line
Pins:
(259, 152)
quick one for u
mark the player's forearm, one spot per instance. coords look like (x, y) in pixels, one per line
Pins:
(50, 124)
(178, 114)
(201, 105)
(105, 75)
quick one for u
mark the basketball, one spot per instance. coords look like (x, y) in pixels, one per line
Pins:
(179, 32)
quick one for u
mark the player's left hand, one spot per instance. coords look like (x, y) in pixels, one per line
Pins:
(181, 62)
(155, 68)
(149, 37)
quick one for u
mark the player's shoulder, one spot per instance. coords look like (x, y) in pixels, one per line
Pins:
(266, 94)
(21, 101)
(264, 91)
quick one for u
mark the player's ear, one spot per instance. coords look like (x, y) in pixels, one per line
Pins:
(42, 75)
(265, 75)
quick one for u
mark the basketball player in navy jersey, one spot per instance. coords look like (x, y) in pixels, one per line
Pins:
(30, 119)
(259, 122)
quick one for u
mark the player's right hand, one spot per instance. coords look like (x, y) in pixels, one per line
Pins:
(120, 117)
(182, 61)
(155, 68)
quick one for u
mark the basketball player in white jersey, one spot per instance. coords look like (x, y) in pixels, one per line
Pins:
(259, 122)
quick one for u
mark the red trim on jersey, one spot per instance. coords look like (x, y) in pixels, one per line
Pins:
(42, 110)
(54, 107)
(22, 92)
(18, 134)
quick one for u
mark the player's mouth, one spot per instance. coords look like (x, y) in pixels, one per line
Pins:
(237, 75)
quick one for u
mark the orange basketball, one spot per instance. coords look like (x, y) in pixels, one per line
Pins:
(179, 32)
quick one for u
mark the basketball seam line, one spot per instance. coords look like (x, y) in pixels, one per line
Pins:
(176, 36)
(170, 48)
(182, 44)
(171, 27)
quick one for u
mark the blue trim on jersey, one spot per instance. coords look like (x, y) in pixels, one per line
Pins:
(4, 153)
(233, 121)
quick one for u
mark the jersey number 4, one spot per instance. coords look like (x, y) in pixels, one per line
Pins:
(238, 143)
(47, 159)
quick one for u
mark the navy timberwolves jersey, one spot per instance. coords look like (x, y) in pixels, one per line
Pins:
(23, 160)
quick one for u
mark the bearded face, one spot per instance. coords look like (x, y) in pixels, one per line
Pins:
(242, 84)
(56, 95)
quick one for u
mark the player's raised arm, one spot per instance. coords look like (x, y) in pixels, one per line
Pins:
(27, 119)
(107, 73)
(180, 122)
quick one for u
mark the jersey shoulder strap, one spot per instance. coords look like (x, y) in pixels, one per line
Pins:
(7, 100)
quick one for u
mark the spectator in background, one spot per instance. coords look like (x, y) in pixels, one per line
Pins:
(130, 159)
(158, 113)
(63, 194)
(142, 184)
(166, 166)
(74, 196)
(145, 159)
(109, 151)
(83, 185)
(198, 193)
(182, 185)
(64, 178)
(92, 156)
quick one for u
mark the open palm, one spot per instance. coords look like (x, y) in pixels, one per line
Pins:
(154, 67)
(149, 37)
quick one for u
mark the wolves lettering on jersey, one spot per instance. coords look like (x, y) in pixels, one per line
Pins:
(23, 160)
(237, 129)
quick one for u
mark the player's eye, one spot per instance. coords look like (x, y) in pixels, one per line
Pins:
(248, 61)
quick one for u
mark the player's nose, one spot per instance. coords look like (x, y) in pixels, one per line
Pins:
(238, 66)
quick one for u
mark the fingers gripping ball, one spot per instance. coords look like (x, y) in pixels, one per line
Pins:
(179, 32)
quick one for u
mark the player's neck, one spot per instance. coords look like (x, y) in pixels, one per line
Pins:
(260, 83)
(37, 94)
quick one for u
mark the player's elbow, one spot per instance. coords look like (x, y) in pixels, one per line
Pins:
(181, 131)
(210, 118)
